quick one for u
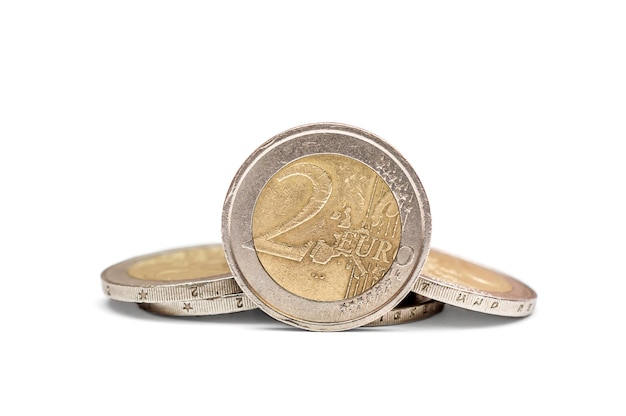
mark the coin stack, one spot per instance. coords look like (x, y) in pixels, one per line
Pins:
(325, 227)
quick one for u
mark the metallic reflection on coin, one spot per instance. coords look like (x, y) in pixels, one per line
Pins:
(188, 264)
(207, 264)
(181, 274)
(458, 282)
(348, 249)
(326, 227)
(413, 308)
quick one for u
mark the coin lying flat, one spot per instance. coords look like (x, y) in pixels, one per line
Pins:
(326, 227)
(205, 269)
(461, 283)
(180, 274)
(410, 309)
(413, 308)
(214, 306)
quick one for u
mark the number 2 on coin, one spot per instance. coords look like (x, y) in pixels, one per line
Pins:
(322, 188)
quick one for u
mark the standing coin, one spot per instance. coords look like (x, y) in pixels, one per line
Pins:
(180, 274)
(461, 283)
(326, 227)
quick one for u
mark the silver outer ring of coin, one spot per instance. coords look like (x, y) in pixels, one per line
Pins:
(420, 309)
(325, 138)
(513, 304)
(119, 285)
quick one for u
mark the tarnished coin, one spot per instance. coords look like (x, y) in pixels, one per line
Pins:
(326, 227)
(413, 308)
(180, 274)
(458, 282)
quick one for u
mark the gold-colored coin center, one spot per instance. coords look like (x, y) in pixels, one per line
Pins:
(464, 273)
(326, 227)
(187, 264)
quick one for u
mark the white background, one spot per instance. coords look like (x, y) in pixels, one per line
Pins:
(122, 124)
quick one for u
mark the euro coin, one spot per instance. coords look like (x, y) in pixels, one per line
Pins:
(456, 281)
(326, 227)
(180, 274)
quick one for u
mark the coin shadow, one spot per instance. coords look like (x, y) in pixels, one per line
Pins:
(459, 318)
(254, 317)
(450, 317)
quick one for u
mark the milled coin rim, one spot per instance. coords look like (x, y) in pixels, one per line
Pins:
(420, 310)
(220, 305)
(118, 284)
(520, 301)
(267, 160)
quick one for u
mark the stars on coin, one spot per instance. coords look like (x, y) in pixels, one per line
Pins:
(343, 308)
(187, 307)
(386, 285)
(143, 295)
(369, 298)
(359, 303)
(349, 307)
